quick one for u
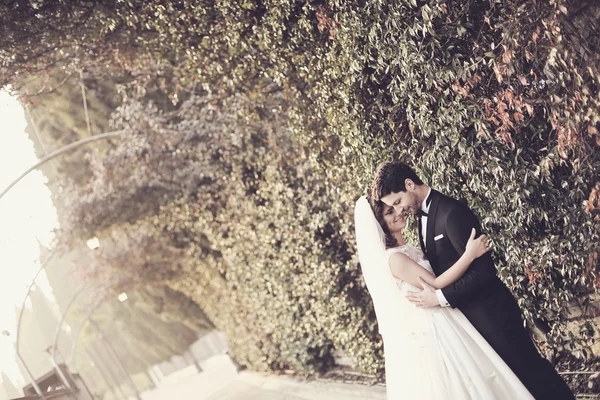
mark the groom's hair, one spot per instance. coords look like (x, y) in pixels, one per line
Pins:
(390, 177)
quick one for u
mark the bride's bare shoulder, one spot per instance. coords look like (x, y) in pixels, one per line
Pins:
(398, 258)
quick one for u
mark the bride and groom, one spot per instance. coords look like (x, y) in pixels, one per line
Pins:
(450, 328)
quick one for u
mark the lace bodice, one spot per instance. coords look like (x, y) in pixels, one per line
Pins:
(414, 318)
(417, 256)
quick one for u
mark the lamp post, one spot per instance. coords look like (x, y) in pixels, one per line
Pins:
(58, 152)
(97, 363)
(92, 244)
(103, 363)
(44, 160)
(52, 349)
(37, 389)
(111, 351)
(62, 375)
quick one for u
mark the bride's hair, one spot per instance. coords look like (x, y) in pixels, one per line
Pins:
(377, 206)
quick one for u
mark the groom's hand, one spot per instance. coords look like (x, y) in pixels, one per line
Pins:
(425, 299)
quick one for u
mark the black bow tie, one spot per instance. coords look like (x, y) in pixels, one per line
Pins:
(421, 213)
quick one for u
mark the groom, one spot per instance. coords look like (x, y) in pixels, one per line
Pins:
(444, 228)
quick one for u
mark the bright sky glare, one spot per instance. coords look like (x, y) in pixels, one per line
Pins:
(27, 216)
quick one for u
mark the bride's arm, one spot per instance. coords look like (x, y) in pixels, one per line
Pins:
(403, 267)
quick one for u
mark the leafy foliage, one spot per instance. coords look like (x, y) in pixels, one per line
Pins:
(230, 194)
(279, 111)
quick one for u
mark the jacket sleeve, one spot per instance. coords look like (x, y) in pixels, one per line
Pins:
(459, 223)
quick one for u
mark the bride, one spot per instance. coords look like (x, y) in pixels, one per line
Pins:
(430, 353)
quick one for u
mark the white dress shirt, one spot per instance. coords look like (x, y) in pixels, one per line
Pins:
(425, 207)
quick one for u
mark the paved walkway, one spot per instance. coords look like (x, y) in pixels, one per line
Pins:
(220, 381)
(256, 387)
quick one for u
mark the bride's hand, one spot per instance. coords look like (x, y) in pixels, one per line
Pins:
(477, 247)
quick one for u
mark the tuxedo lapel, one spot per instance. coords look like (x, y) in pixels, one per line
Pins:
(433, 208)
(421, 235)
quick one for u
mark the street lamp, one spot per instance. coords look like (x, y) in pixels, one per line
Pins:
(52, 349)
(92, 244)
(110, 351)
(60, 151)
(41, 162)
(37, 389)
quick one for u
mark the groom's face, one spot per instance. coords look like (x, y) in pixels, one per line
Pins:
(403, 202)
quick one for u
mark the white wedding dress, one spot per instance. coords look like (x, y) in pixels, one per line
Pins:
(435, 353)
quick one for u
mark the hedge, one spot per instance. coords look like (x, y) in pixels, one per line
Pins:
(280, 111)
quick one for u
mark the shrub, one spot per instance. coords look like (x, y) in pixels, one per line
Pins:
(279, 112)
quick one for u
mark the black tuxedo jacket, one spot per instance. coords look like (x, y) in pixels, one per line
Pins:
(479, 293)
(484, 299)
(449, 225)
